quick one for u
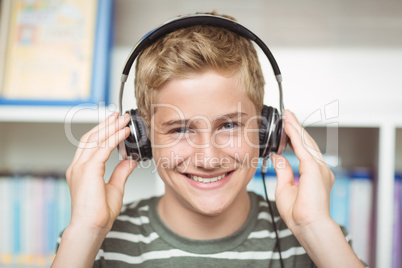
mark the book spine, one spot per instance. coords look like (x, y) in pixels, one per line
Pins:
(339, 201)
(38, 222)
(64, 205)
(16, 216)
(6, 220)
(27, 217)
(50, 215)
(397, 237)
(361, 205)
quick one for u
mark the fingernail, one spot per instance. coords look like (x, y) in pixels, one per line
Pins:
(122, 118)
(111, 117)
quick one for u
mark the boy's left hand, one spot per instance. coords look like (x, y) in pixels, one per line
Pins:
(305, 207)
(307, 203)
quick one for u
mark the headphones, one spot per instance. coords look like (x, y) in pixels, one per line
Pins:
(272, 136)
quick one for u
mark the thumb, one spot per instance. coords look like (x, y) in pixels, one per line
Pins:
(284, 172)
(121, 173)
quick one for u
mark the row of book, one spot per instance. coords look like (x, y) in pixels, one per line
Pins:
(34, 211)
(351, 204)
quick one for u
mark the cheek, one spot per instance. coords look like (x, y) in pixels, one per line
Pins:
(237, 139)
(171, 156)
(252, 134)
(227, 139)
(243, 148)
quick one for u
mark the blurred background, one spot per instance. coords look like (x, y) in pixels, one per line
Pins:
(341, 63)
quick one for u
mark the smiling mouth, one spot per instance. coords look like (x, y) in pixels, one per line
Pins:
(207, 180)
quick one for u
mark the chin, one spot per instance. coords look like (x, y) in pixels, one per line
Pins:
(212, 205)
(211, 212)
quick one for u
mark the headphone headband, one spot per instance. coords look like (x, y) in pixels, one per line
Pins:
(200, 19)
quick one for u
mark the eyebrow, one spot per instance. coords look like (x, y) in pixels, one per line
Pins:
(185, 122)
(179, 122)
(229, 116)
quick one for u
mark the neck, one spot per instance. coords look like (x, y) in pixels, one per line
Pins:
(184, 221)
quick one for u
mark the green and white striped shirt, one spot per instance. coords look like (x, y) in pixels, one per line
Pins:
(140, 238)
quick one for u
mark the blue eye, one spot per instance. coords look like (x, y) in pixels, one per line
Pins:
(180, 130)
(229, 125)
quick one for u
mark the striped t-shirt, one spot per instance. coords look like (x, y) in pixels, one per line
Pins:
(140, 238)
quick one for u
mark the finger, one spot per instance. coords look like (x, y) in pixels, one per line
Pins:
(283, 171)
(106, 140)
(112, 128)
(115, 186)
(84, 139)
(294, 134)
(311, 146)
(102, 153)
(121, 173)
(104, 124)
(303, 144)
(98, 136)
(309, 141)
(286, 191)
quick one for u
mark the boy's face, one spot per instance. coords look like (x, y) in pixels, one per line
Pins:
(204, 134)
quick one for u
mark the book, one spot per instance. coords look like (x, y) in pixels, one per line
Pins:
(360, 211)
(397, 233)
(55, 53)
(6, 223)
(38, 225)
(49, 204)
(16, 204)
(64, 206)
(339, 200)
(27, 217)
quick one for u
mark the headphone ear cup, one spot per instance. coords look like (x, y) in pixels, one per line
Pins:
(281, 139)
(272, 136)
(137, 143)
(266, 115)
(276, 132)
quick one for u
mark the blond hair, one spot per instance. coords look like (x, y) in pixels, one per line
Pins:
(193, 50)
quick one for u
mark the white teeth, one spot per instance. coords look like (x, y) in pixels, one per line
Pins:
(207, 180)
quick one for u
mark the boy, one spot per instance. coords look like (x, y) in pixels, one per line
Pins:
(200, 89)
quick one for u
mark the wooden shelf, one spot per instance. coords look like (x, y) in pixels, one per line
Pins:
(85, 113)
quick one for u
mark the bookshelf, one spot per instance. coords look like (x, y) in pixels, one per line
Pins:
(325, 71)
(47, 149)
(364, 140)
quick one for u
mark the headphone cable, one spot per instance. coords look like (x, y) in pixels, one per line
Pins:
(278, 245)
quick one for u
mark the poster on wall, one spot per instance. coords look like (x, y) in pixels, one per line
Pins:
(54, 51)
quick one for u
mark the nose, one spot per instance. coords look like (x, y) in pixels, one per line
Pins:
(205, 154)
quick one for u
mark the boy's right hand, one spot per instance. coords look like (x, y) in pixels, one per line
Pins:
(96, 204)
